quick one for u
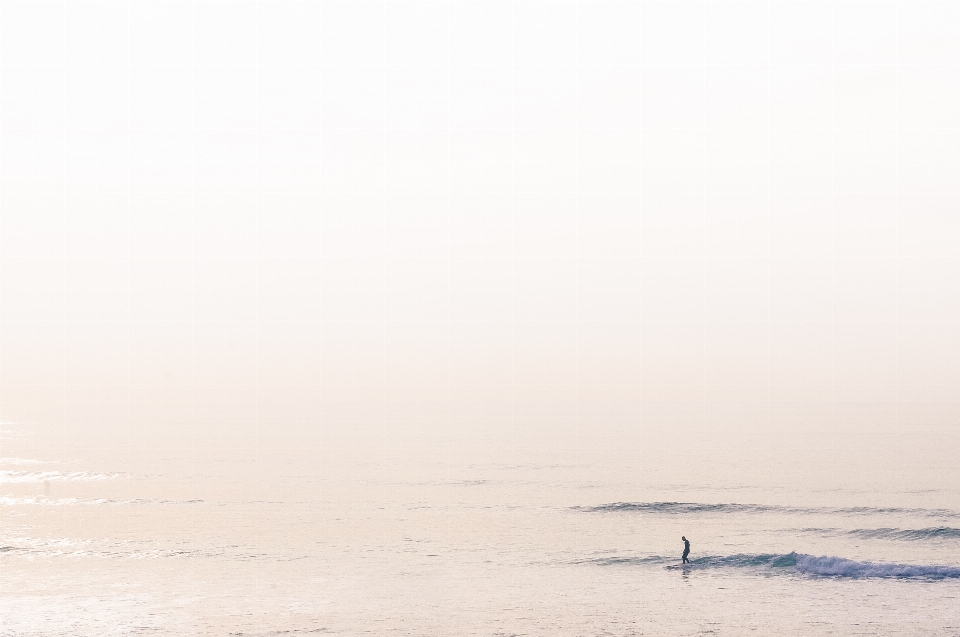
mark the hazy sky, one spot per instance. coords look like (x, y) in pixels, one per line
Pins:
(445, 216)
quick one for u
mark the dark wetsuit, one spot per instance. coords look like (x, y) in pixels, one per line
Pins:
(686, 550)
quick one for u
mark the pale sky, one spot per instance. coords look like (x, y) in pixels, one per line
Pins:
(444, 216)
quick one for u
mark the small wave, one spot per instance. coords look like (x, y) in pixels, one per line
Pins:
(686, 508)
(909, 535)
(906, 535)
(16, 477)
(745, 560)
(677, 508)
(614, 560)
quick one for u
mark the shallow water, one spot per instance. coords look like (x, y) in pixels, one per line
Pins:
(484, 538)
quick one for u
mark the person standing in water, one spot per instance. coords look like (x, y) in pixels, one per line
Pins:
(686, 549)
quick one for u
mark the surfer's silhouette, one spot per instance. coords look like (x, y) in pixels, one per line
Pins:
(686, 549)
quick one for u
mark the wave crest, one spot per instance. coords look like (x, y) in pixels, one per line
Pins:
(886, 533)
(932, 533)
(677, 507)
(685, 508)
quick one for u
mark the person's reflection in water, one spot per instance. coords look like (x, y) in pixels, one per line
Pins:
(686, 549)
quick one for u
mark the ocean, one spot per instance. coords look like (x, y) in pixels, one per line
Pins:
(800, 532)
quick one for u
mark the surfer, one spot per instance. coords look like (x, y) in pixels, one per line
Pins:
(686, 549)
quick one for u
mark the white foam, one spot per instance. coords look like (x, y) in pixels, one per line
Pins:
(839, 566)
(17, 477)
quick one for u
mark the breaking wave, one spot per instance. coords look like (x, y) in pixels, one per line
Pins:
(823, 565)
(842, 567)
(686, 508)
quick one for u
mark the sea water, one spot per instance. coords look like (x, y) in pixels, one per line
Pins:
(792, 533)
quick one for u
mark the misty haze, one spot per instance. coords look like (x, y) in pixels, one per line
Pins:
(479, 318)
